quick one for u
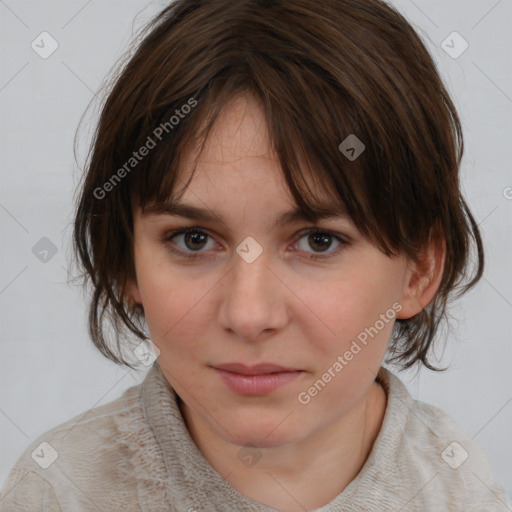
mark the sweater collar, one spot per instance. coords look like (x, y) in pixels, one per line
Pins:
(193, 484)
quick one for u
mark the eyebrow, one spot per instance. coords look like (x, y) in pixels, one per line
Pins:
(323, 212)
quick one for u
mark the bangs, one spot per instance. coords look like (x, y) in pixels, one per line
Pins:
(306, 153)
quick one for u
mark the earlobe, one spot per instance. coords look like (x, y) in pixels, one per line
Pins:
(423, 278)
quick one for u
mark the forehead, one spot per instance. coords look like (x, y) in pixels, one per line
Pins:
(240, 132)
(239, 145)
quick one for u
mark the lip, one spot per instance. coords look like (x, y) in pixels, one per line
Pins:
(260, 379)
(257, 369)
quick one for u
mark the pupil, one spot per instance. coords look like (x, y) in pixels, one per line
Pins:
(196, 237)
(321, 239)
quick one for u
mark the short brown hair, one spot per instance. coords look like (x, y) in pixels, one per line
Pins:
(321, 70)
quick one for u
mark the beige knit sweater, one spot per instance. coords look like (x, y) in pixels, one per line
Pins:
(135, 454)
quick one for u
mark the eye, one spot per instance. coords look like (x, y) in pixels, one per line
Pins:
(320, 241)
(191, 239)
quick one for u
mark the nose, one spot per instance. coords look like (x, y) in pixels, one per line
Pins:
(253, 303)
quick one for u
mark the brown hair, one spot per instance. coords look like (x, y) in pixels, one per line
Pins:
(321, 70)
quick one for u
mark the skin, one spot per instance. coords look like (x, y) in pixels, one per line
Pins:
(284, 308)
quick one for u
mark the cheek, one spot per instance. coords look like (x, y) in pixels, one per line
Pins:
(358, 315)
(175, 304)
(347, 362)
(355, 304)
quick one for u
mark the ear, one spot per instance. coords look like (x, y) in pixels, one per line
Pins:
(423, 276)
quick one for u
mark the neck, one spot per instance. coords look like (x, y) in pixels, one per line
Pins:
(306, 474)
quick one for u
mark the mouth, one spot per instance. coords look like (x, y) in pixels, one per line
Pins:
(255, 380)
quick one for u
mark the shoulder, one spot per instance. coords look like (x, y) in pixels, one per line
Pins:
(26, 491)
(428, 453)
(103, 427)
(79, 463)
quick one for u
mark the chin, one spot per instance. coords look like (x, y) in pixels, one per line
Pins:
(264, 432)
(261, 439)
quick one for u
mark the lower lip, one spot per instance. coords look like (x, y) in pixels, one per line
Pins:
(256, 384)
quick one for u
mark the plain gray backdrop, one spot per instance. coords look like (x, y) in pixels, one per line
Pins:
(50, 370)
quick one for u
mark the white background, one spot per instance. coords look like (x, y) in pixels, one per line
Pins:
(50, 370)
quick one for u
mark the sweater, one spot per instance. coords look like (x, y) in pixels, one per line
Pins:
(136, 454)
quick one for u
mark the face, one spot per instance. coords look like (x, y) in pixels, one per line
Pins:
(269, 333)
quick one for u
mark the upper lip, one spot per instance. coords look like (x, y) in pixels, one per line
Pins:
(258, 369)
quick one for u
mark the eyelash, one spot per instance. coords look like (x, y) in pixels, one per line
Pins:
(191, 256)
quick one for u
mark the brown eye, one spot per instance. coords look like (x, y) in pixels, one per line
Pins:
(320, 242)
(195, 240)
(188, 242)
